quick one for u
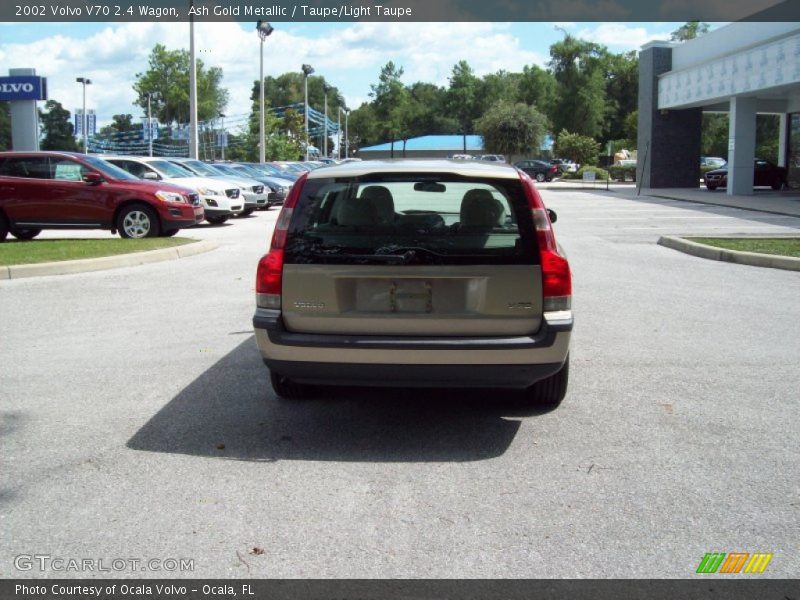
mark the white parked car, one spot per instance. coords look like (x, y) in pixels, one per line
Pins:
(220, 199)
(255, 193)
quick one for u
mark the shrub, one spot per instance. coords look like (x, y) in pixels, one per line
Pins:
(579, 148)
(600, 174)
(622, 173)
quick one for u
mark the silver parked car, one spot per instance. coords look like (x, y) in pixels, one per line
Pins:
(415, 273)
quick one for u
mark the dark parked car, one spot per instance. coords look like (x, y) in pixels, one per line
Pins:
(67, 190)
(764, 174)
(538, 169)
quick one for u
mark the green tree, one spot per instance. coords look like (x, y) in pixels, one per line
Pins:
(363, 128)
(581, 88)
(537, 87)
(289, 88)
(5, 126)
(167, 80)
(578, 148)
(120, 124)
(426, 113)
(463, 96)
(630, 127)
(495, 87)
(767, 137)
(57, 130)
(512, 129)
(689, 31)
(390, 103)
(714, 139)
(621, 72)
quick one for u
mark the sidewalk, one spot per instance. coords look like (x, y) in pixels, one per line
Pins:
(785, 202)
(767, 201)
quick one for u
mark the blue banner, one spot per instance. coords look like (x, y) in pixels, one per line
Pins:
(23, 87)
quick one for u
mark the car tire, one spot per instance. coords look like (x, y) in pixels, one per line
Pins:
(551, 391)
(286, 388)
(25, 234)
(540, 177)
(3, 227)
(247, 212)
(170, 232)
(216, 220)
(138, 221)
(710, 187)
(777, 184)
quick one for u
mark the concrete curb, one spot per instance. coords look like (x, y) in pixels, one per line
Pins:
(85, 265)
(710, 203)
(752, 259)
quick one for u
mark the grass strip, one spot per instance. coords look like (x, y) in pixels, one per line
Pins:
(777, 246)
(15, 252)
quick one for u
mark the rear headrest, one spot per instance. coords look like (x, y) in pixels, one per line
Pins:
(381, 198)
(355, 212)
(480, 209)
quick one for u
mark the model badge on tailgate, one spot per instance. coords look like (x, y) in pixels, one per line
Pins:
(309, 305)
(520, 305)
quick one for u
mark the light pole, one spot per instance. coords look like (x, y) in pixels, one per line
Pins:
(264, 29)
(192, 90)
(307, 70)
(84, 81)
(223, 137)
(339, 132)
(346, 138)
(149, 126)
(326, 88)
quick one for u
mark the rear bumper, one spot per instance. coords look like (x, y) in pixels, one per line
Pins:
(396, 360)
(383, 375)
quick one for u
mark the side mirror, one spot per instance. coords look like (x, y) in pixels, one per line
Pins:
(92, 178)
(150, 175)
(552, 214)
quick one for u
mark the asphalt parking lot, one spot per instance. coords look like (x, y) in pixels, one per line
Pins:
(138, 422)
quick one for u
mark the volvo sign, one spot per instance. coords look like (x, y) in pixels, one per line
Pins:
(23, 87)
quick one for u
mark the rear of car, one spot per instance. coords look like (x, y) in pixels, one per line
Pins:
(415, 273)
(539, 170)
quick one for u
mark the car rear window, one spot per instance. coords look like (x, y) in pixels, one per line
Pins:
(412, 219)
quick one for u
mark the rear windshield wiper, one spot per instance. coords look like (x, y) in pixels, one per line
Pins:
(395, 259)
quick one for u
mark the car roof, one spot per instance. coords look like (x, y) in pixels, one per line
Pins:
(134, 157)
(456, 167)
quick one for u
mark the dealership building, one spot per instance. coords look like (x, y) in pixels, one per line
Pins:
(743, 69)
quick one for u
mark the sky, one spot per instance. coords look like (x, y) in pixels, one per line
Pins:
(348, 55)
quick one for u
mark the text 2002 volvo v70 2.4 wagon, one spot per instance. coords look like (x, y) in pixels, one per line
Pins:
(415, 273)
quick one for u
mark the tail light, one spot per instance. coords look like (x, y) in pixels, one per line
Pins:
(269, 275)
(554, 169)
(556, 276)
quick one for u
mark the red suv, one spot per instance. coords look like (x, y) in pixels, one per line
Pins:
(66, 190)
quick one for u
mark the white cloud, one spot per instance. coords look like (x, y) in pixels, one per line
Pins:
(618, 36)
(349, 57)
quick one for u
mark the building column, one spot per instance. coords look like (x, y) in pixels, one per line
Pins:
(668, 142)
(24, 119)
(783, 141)
(741, 146)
